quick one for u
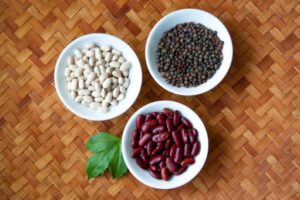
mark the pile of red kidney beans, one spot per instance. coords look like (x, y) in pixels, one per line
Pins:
(165, 143)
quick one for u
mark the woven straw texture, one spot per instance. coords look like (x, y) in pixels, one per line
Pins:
(252, 117)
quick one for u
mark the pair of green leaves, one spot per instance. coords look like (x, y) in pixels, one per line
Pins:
(106, 149)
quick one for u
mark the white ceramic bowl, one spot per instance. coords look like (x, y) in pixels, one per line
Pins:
(176, 180)
(135, 76)
(183, 16)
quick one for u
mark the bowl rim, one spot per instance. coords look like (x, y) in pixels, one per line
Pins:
(171, 88)
(126, 132)
(59, 92)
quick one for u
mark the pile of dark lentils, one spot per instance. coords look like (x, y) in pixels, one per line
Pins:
(189, 54)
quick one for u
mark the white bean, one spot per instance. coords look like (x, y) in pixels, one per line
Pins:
(71, 60)
(125, 73)
(97, 87)
(88, 99)
(69, 79)
(103, 109)
(114, 102)
(91, 61)
(121, 59)
(116, 92)
(97, 70)
(108, 57)
(116, 52)
(83, 92)
(90, 45)
(115, 58)
(72, 67)
(78, 72)
(88, 68)
(78, 99)
(80, 63)
(73, 94)
(106, 83)
(117, 74)
(109, 70)
(91, 88)
(120, 97)
(102, 69)
(78, 53)
(74, 84)
(98, 99)
(90, 53)
(114, 64)
(120, 80)
(122, 89)
(126, 82)
(105, 47)
(67, 72)
(95, 105)
(125, 66)
(96, 94)
(81, 83)
(91, 77)
(103, 93)
(108, 97)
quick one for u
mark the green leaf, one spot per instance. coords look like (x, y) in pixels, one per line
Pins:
(99, 162)
(117, 167)
(101, 141)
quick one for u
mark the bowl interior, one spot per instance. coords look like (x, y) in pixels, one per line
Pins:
(177, 180)
(183, 16)
(135, 76)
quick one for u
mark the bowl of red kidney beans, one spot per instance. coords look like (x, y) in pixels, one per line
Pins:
(165, 144)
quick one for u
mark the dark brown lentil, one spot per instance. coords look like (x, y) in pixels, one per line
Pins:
(189, 54)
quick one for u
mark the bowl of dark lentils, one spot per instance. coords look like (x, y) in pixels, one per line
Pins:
(165, 144)
(189, 52)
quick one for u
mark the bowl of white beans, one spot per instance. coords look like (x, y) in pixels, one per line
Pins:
(98, 76)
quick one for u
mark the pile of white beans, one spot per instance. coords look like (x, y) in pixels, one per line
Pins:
(97, 76)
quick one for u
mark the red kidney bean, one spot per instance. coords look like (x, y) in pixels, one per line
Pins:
(158, 149)
(155, 114)
(186, 122)
(178, 155)
(180, 171)
(146, 128)
(187, 150)
(136, 135)
(176, 138)
(195, 133)
(165, 173)
(136, 152)
(156, 159)
(191, 136)
(161, 137)
(161, 164)
(150, 147)
(156, 175)
(187, 161)
(139, 121)
(153, 168)
(184, 136)
(195, 149)
(173, 151)
(168, 111)
(134, 144)
(144, 156)
(158, 129)
(176, 117)
(141, 163)
(181, 126)
(165, 153)
(148, 117)
(169, 124)
(171, 165)
(152, 123)
(169, 143)
(161, 118)
(146, 138)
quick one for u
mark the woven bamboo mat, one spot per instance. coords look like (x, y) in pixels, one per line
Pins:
(252, 117)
